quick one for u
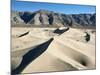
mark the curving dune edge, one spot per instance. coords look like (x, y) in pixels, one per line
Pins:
(65, 52)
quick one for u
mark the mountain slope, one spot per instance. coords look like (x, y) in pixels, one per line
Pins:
(50, 18)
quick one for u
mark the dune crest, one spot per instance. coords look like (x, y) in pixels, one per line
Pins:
(67, 51)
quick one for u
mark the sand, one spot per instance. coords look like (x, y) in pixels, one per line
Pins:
(68, 51)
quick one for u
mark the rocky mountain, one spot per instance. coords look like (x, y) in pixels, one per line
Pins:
(50, 18)
(15, 18)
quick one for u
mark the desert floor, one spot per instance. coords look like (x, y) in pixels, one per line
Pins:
(42, 50)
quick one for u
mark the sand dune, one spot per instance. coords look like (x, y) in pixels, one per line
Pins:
(68, 51)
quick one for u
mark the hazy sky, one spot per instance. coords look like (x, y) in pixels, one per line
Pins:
(62, 8)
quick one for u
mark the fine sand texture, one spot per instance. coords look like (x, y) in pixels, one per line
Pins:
(42, 50)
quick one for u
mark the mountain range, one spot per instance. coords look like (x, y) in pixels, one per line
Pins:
(50, 18)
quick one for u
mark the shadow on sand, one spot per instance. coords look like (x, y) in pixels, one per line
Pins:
(31, 55)
(58, 31)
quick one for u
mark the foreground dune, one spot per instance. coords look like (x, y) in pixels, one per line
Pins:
(48, 51)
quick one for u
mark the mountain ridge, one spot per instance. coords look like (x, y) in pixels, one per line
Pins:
(50, 18)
